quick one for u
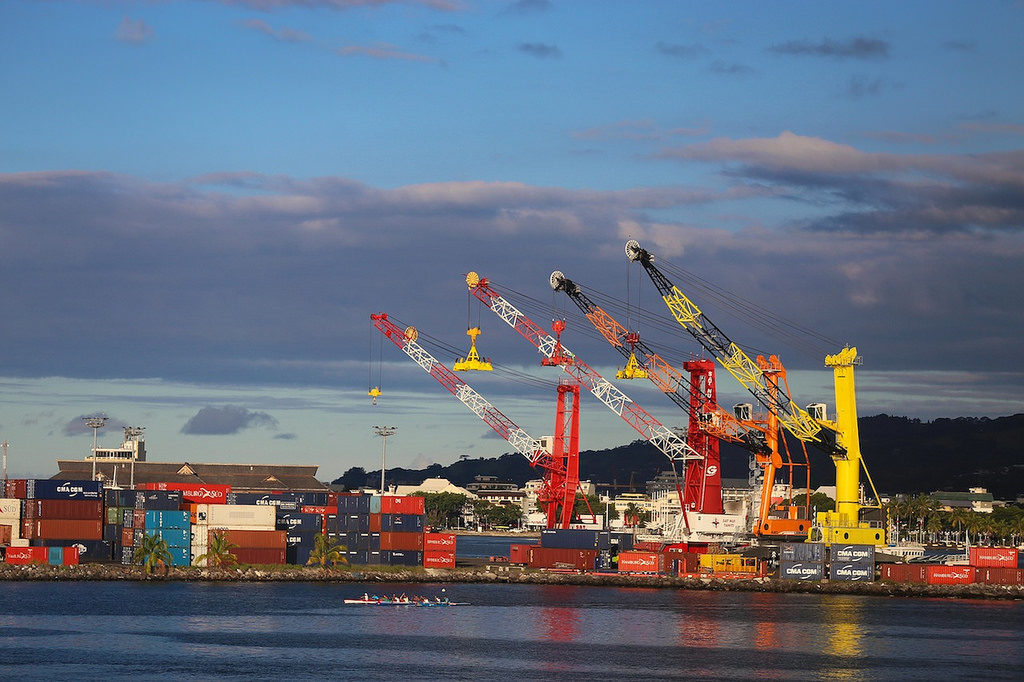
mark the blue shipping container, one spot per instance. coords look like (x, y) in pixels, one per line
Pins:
(161, 518)
(60, 489)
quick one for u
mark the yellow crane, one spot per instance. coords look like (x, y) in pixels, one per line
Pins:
(839, 438)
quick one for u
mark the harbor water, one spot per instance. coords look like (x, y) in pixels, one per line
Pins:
(275, 631)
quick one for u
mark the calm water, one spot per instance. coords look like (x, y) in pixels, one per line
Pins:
(86, 631)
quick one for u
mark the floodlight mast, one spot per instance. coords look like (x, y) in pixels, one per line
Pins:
(94, 423)
(384, 432)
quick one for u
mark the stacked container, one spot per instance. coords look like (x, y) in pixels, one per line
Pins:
(639, 561)
(174, 528)
(852, 562)
(62, 510)
(10, 522)
(903, 573)
(996, 565)
(802, 561)
(209, 518)
(439, 550)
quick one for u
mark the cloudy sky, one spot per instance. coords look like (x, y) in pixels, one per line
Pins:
(201, 204)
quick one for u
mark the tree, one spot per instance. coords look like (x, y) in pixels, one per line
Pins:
(219, 553)
(153, 553)
(819, 502)
(327, 553)
(442, 510)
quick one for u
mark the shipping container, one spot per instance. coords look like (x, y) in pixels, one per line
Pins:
(260, 555)
(10, 508)
(359, 523)
(801, 570)
(62, 529)
(306, 538)
(401, 523)
(999, 576)
(563, 558)
(254, 539)
(573, 538)
(6, 533)
(802, 551)
(255, 517)
(160, 518)
(519, 553)
(401, 558)
(354, 503)
(62, 489)
(86, 551)
(290, 500)
(317, 509)
(27, 555)
(174, 537)
(440, 542)
(852, 554)
(683, 563)
(641, 562)
(202, 493)
(938, 574)
(297, 555)
(437, 558)
(857, 571)
(401, 541)
(298, 521)
(402, 504)
(993, 557)
(16, 488)
(727, 563)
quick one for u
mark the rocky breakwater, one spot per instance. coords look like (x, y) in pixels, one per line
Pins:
(490, 574)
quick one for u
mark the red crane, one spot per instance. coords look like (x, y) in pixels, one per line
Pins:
(560, 464)
(554, 353)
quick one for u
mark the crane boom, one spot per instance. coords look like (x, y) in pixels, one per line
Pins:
(713, 419)
(659, 435)
(793, 418)
(525, 444)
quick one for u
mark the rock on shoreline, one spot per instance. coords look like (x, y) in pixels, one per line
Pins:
(113, 572)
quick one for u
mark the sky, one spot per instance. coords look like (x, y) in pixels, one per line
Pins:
(203, 202)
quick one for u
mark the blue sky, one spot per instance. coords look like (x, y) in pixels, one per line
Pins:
(201, 204)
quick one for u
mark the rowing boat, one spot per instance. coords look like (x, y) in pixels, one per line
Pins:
(386, 601)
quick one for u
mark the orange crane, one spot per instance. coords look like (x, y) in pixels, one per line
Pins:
(554, 353)
(560, 463)
(708, 422)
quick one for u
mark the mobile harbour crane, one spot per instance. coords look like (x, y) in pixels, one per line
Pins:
(840, 438)
(708, 421)
(559, 461)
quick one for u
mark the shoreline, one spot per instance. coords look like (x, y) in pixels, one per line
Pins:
(504, 574)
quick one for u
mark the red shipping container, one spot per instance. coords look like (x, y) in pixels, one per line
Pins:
(138, 518)
(316, 509)
(6, 533)
(442, 542)
(127, 537)
(642, 562)
(70, 556)
(999, 576)
(28, 555)
(17, 488)
(65, 529)
(903, 573)
(519, 554)
(259, 555)
(204, 493)
(993, 557)
(374, 523)
(254, 539)
(433, 558)
(684, 562)
(402, 504)
(949, 575)
(407, 542)
(63, 509)
(557, 557)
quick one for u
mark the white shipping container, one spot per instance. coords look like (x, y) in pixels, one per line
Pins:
(241, 516)
(10, 508)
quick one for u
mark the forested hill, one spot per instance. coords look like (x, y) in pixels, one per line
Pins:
(902, 456)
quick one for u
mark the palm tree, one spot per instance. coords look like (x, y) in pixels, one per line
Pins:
(219, 553)
(959, 517)
(153, 553)
(327, 553)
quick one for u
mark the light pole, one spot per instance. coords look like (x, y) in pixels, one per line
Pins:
(94, 423)
(4, 446)
(384, 432)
